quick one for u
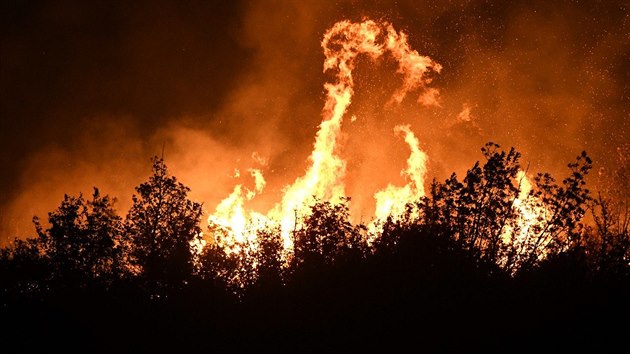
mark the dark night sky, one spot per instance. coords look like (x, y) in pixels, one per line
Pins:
(90, 90)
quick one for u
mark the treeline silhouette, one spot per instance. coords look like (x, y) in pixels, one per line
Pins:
(451, 275)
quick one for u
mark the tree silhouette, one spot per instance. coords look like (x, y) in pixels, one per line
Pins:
(83, 243)
(229, 267)
(161, 226)
(327, 236)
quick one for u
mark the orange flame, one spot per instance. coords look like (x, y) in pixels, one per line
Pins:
(392, 201)
(324, 177)
(531, 216)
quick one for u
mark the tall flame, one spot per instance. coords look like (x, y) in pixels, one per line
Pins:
(324, 177)
(391, 201)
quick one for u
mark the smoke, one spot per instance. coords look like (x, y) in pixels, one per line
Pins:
(90, 91)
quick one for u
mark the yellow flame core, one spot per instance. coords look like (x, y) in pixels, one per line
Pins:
(530, 213)
(324, 176)
(531, 217)
(392, 200)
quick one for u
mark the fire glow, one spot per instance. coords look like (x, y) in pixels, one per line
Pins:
(324, 178)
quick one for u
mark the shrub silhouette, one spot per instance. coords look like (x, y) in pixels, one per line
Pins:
(476, 211)
(24, 271)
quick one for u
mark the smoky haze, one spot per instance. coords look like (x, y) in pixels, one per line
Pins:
(91, 90)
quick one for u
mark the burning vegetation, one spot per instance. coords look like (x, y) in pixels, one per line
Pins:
(498, 227)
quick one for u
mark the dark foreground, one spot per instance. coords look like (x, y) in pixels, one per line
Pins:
(418, 300)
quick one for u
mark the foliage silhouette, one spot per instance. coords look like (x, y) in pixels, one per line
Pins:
(82, 246)
(327, 236)
(458, 272)
(161, 227)
(23, 270)
(475, 212)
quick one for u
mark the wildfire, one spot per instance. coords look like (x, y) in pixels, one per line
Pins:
(231, 215)
(324, 177)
